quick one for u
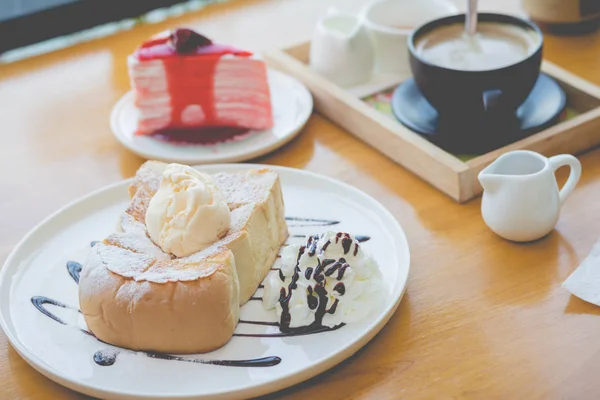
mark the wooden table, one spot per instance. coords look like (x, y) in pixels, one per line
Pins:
(482, 318)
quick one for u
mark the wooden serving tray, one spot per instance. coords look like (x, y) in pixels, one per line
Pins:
(445, 171)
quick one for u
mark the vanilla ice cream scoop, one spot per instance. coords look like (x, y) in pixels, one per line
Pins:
(187, 213)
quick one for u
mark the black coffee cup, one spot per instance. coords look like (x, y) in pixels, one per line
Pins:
(470, 96)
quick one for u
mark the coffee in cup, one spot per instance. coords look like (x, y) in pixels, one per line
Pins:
(476, 87)
(495, 45)
(473, 78)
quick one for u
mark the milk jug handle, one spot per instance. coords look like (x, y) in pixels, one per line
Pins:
(563, 160)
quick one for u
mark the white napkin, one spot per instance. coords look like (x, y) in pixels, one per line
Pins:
(584, 282)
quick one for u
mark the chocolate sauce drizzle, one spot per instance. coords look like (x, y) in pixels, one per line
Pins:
(300, 331)
(40, 301)
(105, 358)
(310, 221)
(266, 323)
(340, 266)
(108, 357)
(358, 238)
(255, 298)
(346, 243)
(340, 288)
(270, 361)
(74, 269)
(308, 273)
(312, 301)
(312, 245)
(362, 238)
(318, 274)
(317, 298)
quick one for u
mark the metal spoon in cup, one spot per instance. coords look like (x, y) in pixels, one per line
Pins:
(471, 26)
(471, 18)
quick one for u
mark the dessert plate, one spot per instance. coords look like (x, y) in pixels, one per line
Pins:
(292, 106)
(39, 302)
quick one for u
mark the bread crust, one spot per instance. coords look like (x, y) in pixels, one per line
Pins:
(180, 316)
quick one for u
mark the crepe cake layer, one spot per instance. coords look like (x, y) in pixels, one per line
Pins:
(212, 85)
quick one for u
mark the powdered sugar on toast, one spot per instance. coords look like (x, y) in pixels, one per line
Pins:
(144, 267)
(137, 242)
(180, 271)
(120, 261)
(245, 187)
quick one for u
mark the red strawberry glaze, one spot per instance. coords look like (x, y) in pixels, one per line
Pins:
(190, 62)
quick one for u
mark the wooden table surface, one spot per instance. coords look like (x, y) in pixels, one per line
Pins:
(482, 318)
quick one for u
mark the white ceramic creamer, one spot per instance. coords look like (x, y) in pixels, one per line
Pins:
(341, 49)
(521, 199)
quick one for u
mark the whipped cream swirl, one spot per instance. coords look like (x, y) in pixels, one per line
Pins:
(325, 283)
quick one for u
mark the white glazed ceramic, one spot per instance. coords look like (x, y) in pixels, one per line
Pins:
(390, 23)
(521, 200)
(37, 267)
(341, 50)
(292, 106)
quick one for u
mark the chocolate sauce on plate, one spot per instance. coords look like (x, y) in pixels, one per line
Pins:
(359, 239)
(310, 221)
(105, 358)
(74, 269)
(362, 238)
(108, 357)
(266, 323)
(270, 361)
(300, 331)
(39, 302)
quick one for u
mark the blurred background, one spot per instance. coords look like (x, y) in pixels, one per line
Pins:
(39, 23)
(33, 27)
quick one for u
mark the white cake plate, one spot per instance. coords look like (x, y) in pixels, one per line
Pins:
(292, 106)
(39, 266)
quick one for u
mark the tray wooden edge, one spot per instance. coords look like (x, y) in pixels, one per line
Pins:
(441, 169)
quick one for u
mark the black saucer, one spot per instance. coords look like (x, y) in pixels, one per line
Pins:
(541, 109)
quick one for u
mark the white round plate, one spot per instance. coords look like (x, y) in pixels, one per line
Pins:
(292, 106)
(37, 267)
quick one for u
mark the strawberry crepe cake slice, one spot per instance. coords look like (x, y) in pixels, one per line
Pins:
(188, 86)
